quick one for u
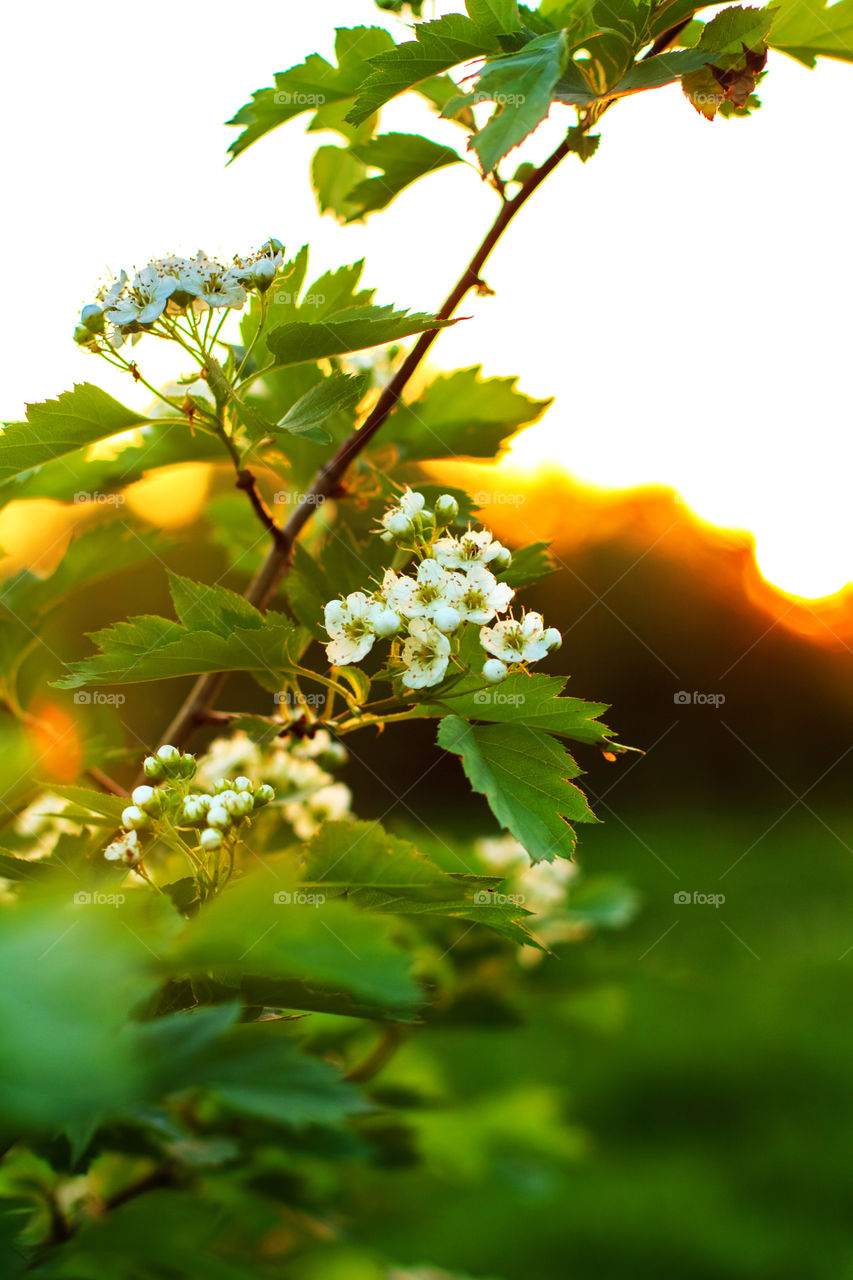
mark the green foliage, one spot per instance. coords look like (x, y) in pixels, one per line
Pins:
(217, 631)
(402, 159)
(811, 29)
(352, 330)
(462, 414)
(523, 773)
(60, 427)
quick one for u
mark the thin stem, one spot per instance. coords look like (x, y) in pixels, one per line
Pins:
(327, 481)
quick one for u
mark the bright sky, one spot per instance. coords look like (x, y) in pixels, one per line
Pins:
(685, 295)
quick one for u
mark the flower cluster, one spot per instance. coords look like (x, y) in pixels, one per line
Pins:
(172, 806)
(426, 612)
(301, 771)
(169, 287)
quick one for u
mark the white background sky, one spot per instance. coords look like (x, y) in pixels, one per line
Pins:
(686, 295)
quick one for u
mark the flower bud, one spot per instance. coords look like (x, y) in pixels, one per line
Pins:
(446, 509)
(501, 561)
(188, 765)
(152, 768)
(83, 336)
(218, 816)
(224, 784)
(446, 619)
(134, 818)
(193, 810)
(263, 274)
(148, 799)
(263, 795)
(552, 638)
(494, 671)
(397, 524)
(168, 754)
(242, 805)
(386, 623)
(243, 784)
(92, 318)
(210, 840)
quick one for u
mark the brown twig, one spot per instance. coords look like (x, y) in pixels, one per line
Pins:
(327, 481)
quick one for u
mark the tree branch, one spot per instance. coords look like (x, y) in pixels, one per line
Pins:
(327, 480)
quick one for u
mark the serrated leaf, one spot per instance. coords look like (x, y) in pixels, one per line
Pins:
(307, 416)
(494, 15)
(403, 158)
(353, 330)
(56, 428)
(462, 414)
(811, 29)
(437, 47)
(335, 172)
(94, 802)
(260, 927)
(537, 701)
(522, 86)
(529, 564)
(219, 631)
(311, 86)
(15, 868)
(524, 775)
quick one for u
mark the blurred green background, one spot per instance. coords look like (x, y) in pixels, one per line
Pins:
(671, 1098)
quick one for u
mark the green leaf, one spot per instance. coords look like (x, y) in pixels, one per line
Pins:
(437, 47)
(218, 631)
(811, 29)
(529, 564)
(381, 872)
(536, 701)
(523, 774)
(347, 331)
(15, 868)
(494, 15)
(94, 802)
(522, 86)
(403, 158)
(60, 427)
(462, 414)
(261, 927)
(307, 416)
(311, 86)
(260, 1069)
(335, 172)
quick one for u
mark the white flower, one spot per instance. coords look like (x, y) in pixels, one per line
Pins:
(258, 271)
(398, 519)
(483, 596)
(218, 287)
(426, 654)
(125, 849)
(146, 299)
(331, 803)
(187, 274)
(516, 641)
(420, 597)
(351, 624)
(477, 546)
